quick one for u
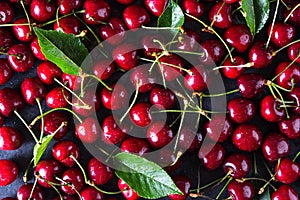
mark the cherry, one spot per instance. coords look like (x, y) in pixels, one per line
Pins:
(125, 2)
(250, 85)
(237, 164)
(115, 99)
(193, 7)
(68, 25)
(6, 12)
(10, 100)
(20, 58)
(140, 114)
(170, 72)
(8, 198)
(219, 128)
(290, 127)
(68, 6)
(72, 81)
(282, 34)
(88, 131)
(275, 146)
(270, 109)
(127, 192)
(233, 72)
(189, 139)
(184, 184)
(46, 171)
(25, 191)
(9, 172)
(294, 95)
(150, 47)
(90, 98)
(293, 51)
(135, 16)
(135, 145)
(111, 133)
(145, 80)
(156, 7)
(241, 190)
(260, 55)
(47, 71)
(56, 98)
(213, 50)
(90, 193)
(188, 41)
(6, 39)
(26, 2)
(162, 98)
(212, 159)
(287, 74)
(241, 110)
(159, 134)
(53, 121)
(114, 31)
(98, 172)
(22, 32)
(62, 150)
(220, 13)
(295, 16)
(287, 171)
(247, 137)
(74, 179)
(197, 79)
(42, 10)
(36, 49)
(96, 11)
(285, 192)
(239, 37)
(103, 69)
(33, 89)
(5, 71)
(10, 138)
(231, 1)
(125, 55)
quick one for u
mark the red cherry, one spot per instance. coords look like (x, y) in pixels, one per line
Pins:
(6, 71)
(189, 139)
(193, 7)
(10, 100)
(290, 127)
(239, 165)
(74, 178)
(221, 15)
(111, 133)
(96, 11)
(188, 41)
(115, 99)
(167, 66)
(287, 74)
(233, 72)
(140, 114)
(25, 191)
(135, 16)
(47, 71)
(20, 58)
(62, 150)
(6, 12)
(150, 47)
(270, 109)
(6, 39)
(168, 160)
(42, 10)
(287, 171)
(53, 121)
(159, 134)
(36, 49)
(98, 172)
(135, 145)
(184, 184)
(68, 6)
(282, 34)
(293, 51)
(212, 159)
(72, 81)
(127, 192)
(68, 25)
(33, 89)
(250, 85)
(56, 98)
(8, 198)
(197, 79)
(125, 55)
(90, 193)
(241, 191)
(162, 98)
(145, 80)
(294, 95)
(239, 37)
(8, 173)
(285, 192)
(114, 31)
(46, 171)
(214, 130)
(22, 32)
(88, 131)
(259, 55)
(92, 99)
(125, 2)
(214, 51)
(156, 7)
(295, 16)
(103, 69)
(26, 2)
(241, 110)
(10, 138)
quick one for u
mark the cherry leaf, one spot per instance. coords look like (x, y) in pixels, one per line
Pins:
(40, 148)
(145, 177)
(65, 50)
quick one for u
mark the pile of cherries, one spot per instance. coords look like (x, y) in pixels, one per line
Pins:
(261, 75)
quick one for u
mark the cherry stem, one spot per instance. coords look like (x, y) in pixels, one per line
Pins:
(273, 22)
(25, 179)
(15, 55)
(33, 187)
(70, 185)
(208, 185)
(180, 127)
(215, 16)
(283, 102)
(237, 9)
(185, 92)
(8, 25)
(187, 52)
(257, 179)
(293, 61)
(161, 45)
(284, 89)
(98, 79)
(285, 46)
(286, 6)
(42, 119)
(81, 168)
(267, 167)
(297, 155)
(160, 28)
(218, 95)
(26, 14)
(57, 191)
(262, 189)
(247, 65)
(224, 187)
(290, 14)
(64, 16)
(255, 164)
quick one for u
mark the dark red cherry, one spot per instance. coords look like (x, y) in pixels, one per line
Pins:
(25, 191)
(290, 127)
(247, 137)
(221, 15)
(294, 95)
(295, 16)
(159, 134)
(219, 128)
(162, 98)
(98, 172)
(10, 138)
(250, 85)
(125, 55)
(270, 109)
(135, 145)
(260, 55)
(293, 51)
(33, 89)
(47, 71)
(71, 81)
(103, 69)
(239, 37)
(193, 7)
(36, 49)
(184, 184)
(125, 2)
(171, 66)
(214, 51)
(20, 58)
(111, 133)
(231, 1)
(188, 41)
(142, 77)
(287, 171)
(46, 171)
(241, 190)
(115, 99)
(26, 2)
(8, 198)
(212, 156)
(140, 114)
(156, 7)
(285, 192)
(96, 11)
(114, 31)
(62, 150)
(282, 33)
(189, 139)
(233, 72)
(68, 25)
(8, 173)
(6, 12)
(127, 192)
(42, 10)
(56, 98)
(68, 6)
(90, 193)
(88, 130)
(275, 146)
(74, 178)
(22, 32)
(6, 39)
(92, 99)
(197, 79)
(287, 74)
(5, 71)
(10, 100)
(241, 110)
(135, 16)
(53, 121)
(237, 164)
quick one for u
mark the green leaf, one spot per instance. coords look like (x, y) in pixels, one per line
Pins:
(40, 148)
(145, 177)
(65, 50)
(172, 16)
(256, 14)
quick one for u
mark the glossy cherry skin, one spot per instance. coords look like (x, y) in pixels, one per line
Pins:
(212, 159)
(135, 145)
(92, 99)
(287, 171)
(150, 47)
(71, 81)
(142, 77)
(189, 139)
(189, 40)
(114, 31)
(26, 2)
(22, 32)
(140, 114)
(241, 191)
(197, 79)
(20, 58)
(295, 16)
(88, 131)
(287, 74)
(239, 165)
(96, 11)
(36, 49)
(159, 134)
(125, 2)
(214, 130)
(46, 171)
(125, 55)
(115, 99)
(259, 55)
(111, 133)
(62, 150)
(171, 73)
(184, 184)
(103, 69)
(239, 37)
(193, 7)
(294, 95)
(247, 137)
(162, 98)
(56, 98)
(25, 191)
(233, 72)
(10, 100)
(33, 89)
(282, 34)
(241, 110)
(42, 10)
(68, 25)
(275, 146)
(10, 138)
(98, 172)
(156, 7)
(53, 121)
(74, 177)
(135, 16)
(270, 110)
(6, 12)
(221, 15)
(290, 127)
(127, 192)
(214, 51)
(47, 71)
(6, 39)
(6, 71)
(90, 193)
(9, 172)
(67, 6)
(285, 192)
(293, 51)
(250, 85)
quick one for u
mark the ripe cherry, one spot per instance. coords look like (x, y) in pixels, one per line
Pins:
(74, 178)
(10, 100)
(156, 7)
(125, 2)
(294, 95)
(197, 79)
(189, 139)
(239, 37)
(241, 109)
(260, 55)
(214, 51)
(25, 191)
(98, 172)
(213, 158)
(285, 192)
(111, 133)
(142, 77)
(290, 127)
(20, 58)
(135, 16)
(46, 171)
(162, 98)
(214, 130)
(193, 7)
(135, 145)
(127, 192)
(6, 71)
(150, 47)
(167, 66)
(103, 69)
(33, 89)
(159, 134)
(62, 150)
(282, 34)
(96, 11)
(10, 138)
(295, 16)
(22, 32)
(42, 10)
(293, 51)
(53, 121)
(36, 49)
(68, 6)
(125, 55)
(233, 72)
(56, 98)
(88, 131)
(237, 164)
(241, 190)
(47, 71)
(90, 193)
(115, 99)
(220, 13)
(8, 173)
(6, 12)
(250, 85)
(90, 98)
(270, 109)
(184, 184)
(114, 31)
(286, 75)
(287, 171)
(68, 25)
(6, 39)
(188, 41)
(140, 114)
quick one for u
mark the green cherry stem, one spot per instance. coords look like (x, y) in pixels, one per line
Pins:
(293, 61)
(282, 101)
(256, 179)
(187, 52)
(224, 187)
(160, 28)
(25, 178)
(8, 25)
(216, 15)
(262, 189)
(255, 164)
(297, 155)
(246, 65)
(284, 47)
(26, 14)
(64, 16)
(216, 95)
(285, 5)
(70, 185)
(42, 119)
(98, 79)
(179, 128)
(32, 189)
(81, 168)
(292, 11)
(273, 22)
